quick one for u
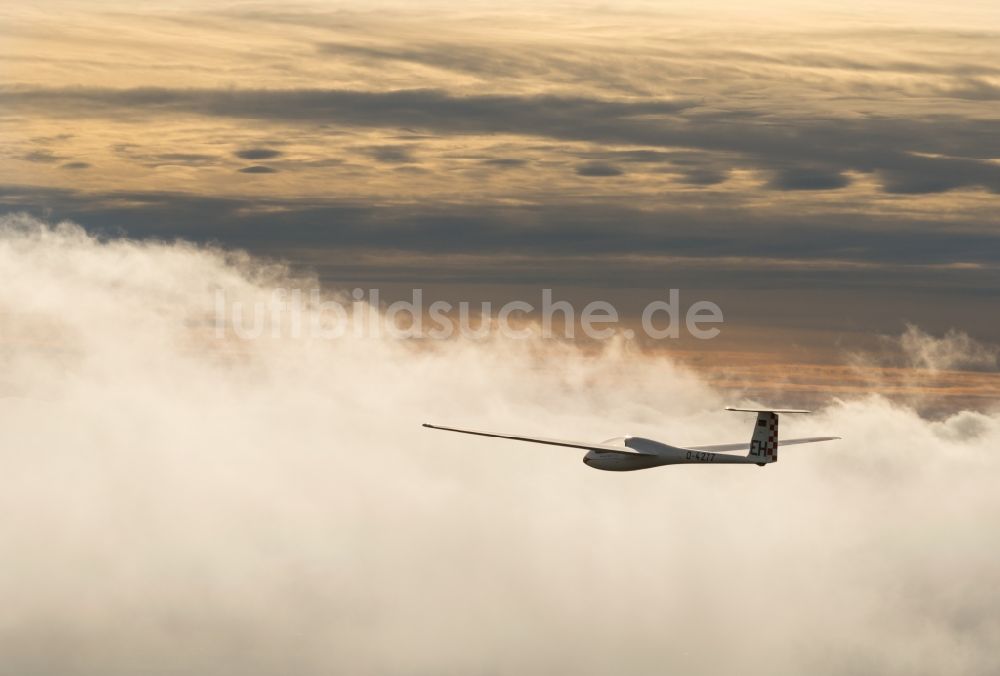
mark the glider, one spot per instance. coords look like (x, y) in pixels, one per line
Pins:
(625, 454)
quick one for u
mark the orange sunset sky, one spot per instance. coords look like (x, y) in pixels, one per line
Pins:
(827, 172)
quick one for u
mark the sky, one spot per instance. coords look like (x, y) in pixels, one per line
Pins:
(181, 500)
(824, 172)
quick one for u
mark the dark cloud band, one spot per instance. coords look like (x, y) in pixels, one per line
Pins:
(908, 155)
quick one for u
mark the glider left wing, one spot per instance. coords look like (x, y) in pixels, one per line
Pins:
(582, 445)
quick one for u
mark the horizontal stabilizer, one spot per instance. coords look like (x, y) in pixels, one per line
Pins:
(767, 410)
(722, 448)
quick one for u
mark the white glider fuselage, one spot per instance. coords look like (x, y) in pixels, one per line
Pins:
(650, 453)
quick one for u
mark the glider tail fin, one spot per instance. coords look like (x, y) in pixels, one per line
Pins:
(764, 442)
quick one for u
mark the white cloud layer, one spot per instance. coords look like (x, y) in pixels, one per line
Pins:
(178, 504)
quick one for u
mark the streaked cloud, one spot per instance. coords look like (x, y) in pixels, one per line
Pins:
(258, 169)
(598, 169)
(909, 156)
(257, 154)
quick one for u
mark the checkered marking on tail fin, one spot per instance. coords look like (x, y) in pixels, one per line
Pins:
(764, 442)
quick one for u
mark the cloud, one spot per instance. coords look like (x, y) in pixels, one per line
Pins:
(504, 162)
(703, 176)
(597, 227)
(954, 350)
(909, 155)
(183, 158)
(416, 108)
(273, 505)
(917, 366)
(598, 169)
(136, 153)
(75, 165)
(463, 58)
(390, 154)
(41, 156)
(257, 154)
(806, 178)
(975, 89)
(53, 138)
(258, 169)
(871, 270)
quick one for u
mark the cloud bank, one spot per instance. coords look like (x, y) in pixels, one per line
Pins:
(910, 156)
(179, 503)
